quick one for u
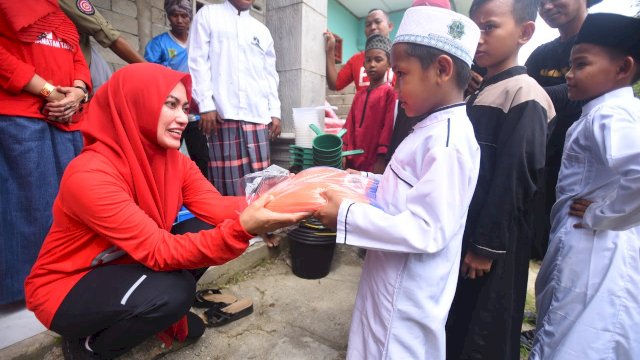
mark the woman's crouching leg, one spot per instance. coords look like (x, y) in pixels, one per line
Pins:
(118, 306)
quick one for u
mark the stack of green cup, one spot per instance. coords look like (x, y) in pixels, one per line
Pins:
(301, 156)
(327, 148)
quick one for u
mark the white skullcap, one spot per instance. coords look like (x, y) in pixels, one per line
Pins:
(440, 28)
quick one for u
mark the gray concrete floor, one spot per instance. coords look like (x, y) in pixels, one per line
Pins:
(293, 318)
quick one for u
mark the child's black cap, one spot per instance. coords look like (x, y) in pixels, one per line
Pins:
(613, 31)
(590, 3)
(377, 41)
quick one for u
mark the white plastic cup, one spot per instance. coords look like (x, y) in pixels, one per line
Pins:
(302, 118)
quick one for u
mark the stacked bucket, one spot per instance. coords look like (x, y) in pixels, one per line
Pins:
(327, 148)
(312, 246)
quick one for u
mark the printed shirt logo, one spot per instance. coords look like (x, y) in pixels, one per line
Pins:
(456, 29)
(85, 7)
(48, 39)
(555, 73)
(172, 53)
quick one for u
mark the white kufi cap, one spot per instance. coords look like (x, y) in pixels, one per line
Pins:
(440, 28)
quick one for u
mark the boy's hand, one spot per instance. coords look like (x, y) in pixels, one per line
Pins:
(380, 165)
(328, 214)
(209, 122)
(274, 128)
(474, 265)
(577, 208)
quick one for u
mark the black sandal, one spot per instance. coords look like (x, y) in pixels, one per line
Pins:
(209, 298)
(221, 316)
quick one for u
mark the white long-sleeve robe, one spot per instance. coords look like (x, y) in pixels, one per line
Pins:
(411, 268)
(588, 288)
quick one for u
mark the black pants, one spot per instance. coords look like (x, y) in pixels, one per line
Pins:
(120, 306)
(197, 147)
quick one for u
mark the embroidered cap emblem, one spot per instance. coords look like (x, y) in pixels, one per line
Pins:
(456, 29)
(85, 7)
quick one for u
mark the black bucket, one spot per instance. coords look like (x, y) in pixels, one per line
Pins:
(311, 251)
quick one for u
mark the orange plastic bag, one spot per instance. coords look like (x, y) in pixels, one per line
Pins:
(302, 192)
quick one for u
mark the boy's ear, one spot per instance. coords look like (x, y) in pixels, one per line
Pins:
(627, 68)
(444, 69)
(526, 32)
(390, 25)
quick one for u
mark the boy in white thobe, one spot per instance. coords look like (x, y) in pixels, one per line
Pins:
(587, 288)
(414, 238)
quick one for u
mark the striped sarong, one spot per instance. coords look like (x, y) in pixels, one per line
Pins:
(236, 149)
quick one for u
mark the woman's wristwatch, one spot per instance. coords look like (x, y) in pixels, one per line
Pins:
(86, 93)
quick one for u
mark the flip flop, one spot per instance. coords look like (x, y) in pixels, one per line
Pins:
(209, 298)
(221, 316)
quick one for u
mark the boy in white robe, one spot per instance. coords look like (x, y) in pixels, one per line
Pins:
(414, 237)
(587, 288)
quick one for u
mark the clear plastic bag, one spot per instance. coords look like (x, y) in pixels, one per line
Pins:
(302, 192)
(257, 183)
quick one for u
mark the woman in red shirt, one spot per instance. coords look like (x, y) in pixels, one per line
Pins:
(110, 274)
(43, 80)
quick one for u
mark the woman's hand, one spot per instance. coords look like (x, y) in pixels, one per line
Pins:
(62, 110)
(256, 219)
(328, 214)
(270, 239)
(577, 208)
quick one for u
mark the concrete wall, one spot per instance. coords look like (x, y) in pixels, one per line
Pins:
(297, 27)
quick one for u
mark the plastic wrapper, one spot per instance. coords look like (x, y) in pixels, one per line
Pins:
(257, 183)
(303, 192)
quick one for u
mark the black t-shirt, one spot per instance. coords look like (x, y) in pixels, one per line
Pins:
(549, 63)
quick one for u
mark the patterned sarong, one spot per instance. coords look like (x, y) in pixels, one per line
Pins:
(236, 149)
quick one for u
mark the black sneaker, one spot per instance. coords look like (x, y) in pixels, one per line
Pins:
(74, 349)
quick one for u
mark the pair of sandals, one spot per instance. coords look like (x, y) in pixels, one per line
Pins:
(222, 308)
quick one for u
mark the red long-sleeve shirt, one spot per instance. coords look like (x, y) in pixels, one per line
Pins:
(95, 212)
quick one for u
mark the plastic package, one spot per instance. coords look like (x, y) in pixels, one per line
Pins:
(257, 183)
(302, 192)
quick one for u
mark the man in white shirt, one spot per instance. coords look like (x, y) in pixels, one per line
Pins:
(233, 65)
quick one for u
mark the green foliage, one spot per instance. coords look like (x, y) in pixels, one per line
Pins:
(636, 89)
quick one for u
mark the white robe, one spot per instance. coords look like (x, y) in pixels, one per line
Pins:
(411, 268)
(588, 288)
